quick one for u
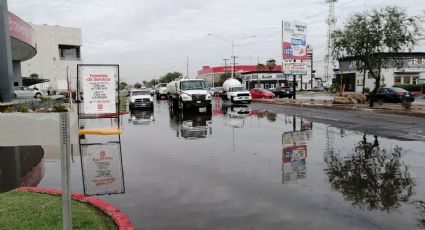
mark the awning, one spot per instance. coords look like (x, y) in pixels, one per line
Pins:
(29, 81)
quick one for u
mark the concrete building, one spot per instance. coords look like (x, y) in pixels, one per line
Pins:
(409, 70)
(58, 48)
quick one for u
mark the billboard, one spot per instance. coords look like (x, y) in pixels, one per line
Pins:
(294, 45)
(99, 87)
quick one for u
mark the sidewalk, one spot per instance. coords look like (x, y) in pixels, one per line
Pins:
(417, 110)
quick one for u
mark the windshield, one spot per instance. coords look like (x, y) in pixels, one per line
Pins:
(137, 93)
(238, 89)
(398, 90)
(187, 85)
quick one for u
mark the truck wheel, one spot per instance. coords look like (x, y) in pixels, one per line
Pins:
(249, 102)
(209, 108)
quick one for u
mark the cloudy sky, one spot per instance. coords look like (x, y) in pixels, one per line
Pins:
(149, 38)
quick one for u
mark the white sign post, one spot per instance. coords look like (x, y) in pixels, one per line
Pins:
(102, 169)
(99, 84)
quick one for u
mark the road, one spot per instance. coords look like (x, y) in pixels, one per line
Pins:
(385, 125)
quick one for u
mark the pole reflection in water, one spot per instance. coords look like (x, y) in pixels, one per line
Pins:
(20, 166)
(370, 176)
(294, 152)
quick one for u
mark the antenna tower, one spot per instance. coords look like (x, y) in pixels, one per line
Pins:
(331, 21)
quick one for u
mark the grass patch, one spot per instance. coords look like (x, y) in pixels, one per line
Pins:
(27, 210)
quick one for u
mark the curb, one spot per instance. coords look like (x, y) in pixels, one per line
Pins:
(119, 218)
(344, 107)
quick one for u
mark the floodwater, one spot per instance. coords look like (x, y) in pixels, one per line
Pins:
(238, 168)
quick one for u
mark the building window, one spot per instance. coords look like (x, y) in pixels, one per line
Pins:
(69, 52)
(415, 80)
(406, 80)
(397, 80)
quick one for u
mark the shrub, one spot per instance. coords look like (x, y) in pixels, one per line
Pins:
(9, 109)
(334, 88)
(60, 108)
(406, 105)
(410, 87)
(366, 90)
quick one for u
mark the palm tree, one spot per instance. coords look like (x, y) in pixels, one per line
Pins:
(271, 64)
(260, 67)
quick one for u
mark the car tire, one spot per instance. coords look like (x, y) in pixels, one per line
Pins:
(231, 99)
(37, 95)
(16, 96)
(380, 101)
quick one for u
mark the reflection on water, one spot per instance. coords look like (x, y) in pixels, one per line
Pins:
(371, 175)
(142, 117)
(20, 166)
(191, 125)
(294, 153)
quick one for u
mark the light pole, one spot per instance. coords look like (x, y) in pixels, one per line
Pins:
(232, 43)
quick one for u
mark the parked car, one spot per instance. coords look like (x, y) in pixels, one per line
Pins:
(391, 95)
(261, 93)
(141, 98)
(318, 89)
(283, 92)
(26, 92)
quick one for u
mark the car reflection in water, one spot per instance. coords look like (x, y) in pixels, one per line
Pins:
(191, 125)
(141, 117)
(235, 114)
(20, 166)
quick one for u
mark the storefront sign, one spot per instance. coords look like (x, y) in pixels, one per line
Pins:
(21, 30)
(99, 84)
(102, 169)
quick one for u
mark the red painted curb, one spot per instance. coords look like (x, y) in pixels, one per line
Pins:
(120, 219)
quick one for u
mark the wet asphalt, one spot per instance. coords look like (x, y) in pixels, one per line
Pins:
(263, 166)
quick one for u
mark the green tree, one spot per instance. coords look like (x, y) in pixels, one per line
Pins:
(123, 85)
(371, 35)
(271, 64)
(224, 77)
(137, 85)
(153, 82)
(170, 77)
(34, 75)
(145, 83)
(260, 67)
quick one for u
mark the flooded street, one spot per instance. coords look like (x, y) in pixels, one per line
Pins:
(242, 168)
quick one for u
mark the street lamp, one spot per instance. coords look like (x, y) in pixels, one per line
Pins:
(232, 43)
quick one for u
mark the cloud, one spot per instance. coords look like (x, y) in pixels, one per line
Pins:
(151, 37)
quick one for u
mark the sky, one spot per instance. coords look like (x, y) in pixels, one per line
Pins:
(149, 38)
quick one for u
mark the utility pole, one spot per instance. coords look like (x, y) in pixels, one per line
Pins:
(187, 67)
(225, 64)
(233, 66)
(6, 70)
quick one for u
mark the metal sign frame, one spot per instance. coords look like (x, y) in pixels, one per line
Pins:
(116, 115)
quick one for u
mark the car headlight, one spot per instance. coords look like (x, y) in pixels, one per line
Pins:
(150, 99)
(208, 96)
(186, 97)
(132, 100)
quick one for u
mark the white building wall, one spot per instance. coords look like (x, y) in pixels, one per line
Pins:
(47, 63)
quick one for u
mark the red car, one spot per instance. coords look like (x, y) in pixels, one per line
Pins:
(261, 93)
